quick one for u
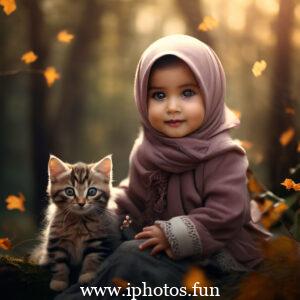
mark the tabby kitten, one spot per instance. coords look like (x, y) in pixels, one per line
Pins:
(79, 229)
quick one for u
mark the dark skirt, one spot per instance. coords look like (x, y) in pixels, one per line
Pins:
(139, 272)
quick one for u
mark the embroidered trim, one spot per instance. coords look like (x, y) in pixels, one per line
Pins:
(193, 234)
(184, 240)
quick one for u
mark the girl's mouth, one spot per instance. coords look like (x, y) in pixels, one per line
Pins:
(174, 123)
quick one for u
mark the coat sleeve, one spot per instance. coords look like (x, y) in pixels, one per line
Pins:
(225, 209)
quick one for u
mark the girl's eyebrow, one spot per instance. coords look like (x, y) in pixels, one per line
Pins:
(180, 86)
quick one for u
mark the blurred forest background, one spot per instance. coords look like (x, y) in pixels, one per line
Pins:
(88, 112)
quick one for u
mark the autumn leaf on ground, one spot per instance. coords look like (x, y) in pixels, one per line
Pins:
(123, 284)
(195, 276)
(51, 75)
(64, 36)
(259, 67)
(290, 184)
(208, 23)
(29, 57)
(5, 244)
(15, 202)
(9, 6)
(287, 136)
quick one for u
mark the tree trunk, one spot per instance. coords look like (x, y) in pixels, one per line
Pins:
(281, 158)
(38, 97)
(69, 118)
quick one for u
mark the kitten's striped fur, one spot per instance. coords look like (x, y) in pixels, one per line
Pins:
(79, 229)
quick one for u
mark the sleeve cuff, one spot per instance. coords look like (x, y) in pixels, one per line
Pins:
(182, 236)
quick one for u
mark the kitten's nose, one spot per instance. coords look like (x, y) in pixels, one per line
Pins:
(81, 204)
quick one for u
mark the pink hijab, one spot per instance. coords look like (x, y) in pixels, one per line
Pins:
(155, 157)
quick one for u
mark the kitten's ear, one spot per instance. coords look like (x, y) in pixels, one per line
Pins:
(104, 166)
(56, 167)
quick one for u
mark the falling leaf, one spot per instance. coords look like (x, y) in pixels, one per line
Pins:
(9, 6)
(29, 57)
(287, 136)
(290, 184)
(64, 36)
(5, 244)
(51, 75)
(208, 23)
(290, 110)
(195, 275)
(259, 67)
(237, 113)
(15, 202)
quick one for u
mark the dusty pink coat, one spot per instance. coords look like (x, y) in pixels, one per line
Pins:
(193, 187)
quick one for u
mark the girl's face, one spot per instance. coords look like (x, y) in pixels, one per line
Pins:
(175, 104)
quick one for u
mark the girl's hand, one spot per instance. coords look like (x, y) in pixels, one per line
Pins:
(156, 239)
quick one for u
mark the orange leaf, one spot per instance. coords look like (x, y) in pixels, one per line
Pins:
(274, 214)
(29, 57)
(5, 244)
(195, 275)
(290, 110)
(9, 6)
(15, 202)
(259, 67)
(298, 147)
(287, 136)
(208, 23)
(51, 75)
(119, 282)
(64, 36)
(288, 183)
(246, 144)
(237, 113)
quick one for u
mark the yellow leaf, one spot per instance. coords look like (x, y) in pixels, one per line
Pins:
(259, 67)
(64, 36)
(51, 75)
(208, 23)
(9, 6)
(5, 244)
(287, 136)
(29, 57)
(15, 202)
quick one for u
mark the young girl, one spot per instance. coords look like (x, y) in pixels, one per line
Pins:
(186, 192)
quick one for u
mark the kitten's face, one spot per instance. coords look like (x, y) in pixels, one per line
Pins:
(80, 188)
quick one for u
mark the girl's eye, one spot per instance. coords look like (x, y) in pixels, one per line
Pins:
(69, 191)
(91, 192)
(188, 93)
(159, 95)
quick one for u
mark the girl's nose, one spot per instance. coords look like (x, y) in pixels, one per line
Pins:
(173, 105)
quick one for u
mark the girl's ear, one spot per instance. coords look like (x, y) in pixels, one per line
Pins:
(56, 167)
(104, 166)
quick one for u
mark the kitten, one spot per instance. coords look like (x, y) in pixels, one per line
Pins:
(79, 229)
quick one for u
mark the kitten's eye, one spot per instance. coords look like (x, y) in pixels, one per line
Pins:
(69, 191)
(188, 93)
(91, 192)
(158, 95)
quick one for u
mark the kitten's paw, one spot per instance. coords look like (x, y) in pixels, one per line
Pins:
(86, 277)
(58, 285)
